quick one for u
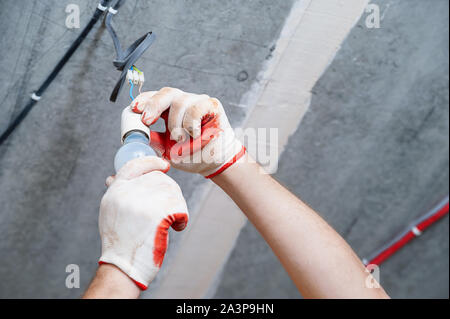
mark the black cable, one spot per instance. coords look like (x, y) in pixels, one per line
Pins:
(102, 6)
(125, 59)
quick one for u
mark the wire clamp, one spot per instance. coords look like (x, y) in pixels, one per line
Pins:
(416, 231)
(35, 97)
(136, 77)
(112, 10)
(102, 8)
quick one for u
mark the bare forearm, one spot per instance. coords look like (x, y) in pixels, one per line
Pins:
(318, 260)
(111, 283)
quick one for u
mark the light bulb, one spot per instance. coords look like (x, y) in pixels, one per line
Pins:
(136, 144)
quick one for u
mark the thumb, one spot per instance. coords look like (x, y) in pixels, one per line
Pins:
(178, 221)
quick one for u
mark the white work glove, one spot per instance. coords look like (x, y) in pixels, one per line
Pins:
(198, 137)
(140, 205)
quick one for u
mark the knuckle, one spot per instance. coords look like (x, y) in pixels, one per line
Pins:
(181, 100)
(178, 102)
(169, 90)
(215, 102)
(194, 112)
(153, 102)
(166, 89)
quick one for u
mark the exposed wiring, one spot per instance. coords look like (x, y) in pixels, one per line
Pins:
(125, 59)
(141, 83)
(415, 230)
(135, 77)
(15, 122)
(135, 68)
(131, 90)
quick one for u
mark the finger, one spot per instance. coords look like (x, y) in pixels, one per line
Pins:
(210, 129)
(141, 166)
(110, 180)
(177, 111)
(140, 101)
(198, 114)
(179, 150)
(157, 141)
(180, 221)
(158, 103)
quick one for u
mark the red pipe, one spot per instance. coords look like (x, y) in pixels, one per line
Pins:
(441, 210)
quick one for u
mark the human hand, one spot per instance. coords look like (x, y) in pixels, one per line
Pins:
(198, 137)
(138, 208)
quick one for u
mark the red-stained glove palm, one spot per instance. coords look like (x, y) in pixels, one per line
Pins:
(198, 137)
(136, 212)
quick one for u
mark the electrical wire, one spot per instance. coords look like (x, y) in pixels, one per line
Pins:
(101, 8)
(125, 59)
(415, 230)
(131, 90)
(134, 68)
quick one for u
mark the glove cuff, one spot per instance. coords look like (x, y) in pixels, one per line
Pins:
(140, 279)
(141, 286)
(227, 163)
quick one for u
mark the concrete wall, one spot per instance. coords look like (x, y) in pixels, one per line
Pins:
(308, 42)
(52, 170)
(371, 155)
